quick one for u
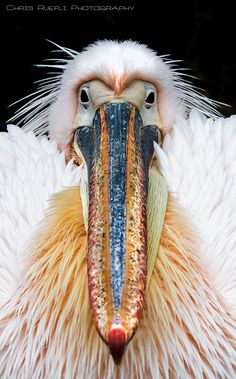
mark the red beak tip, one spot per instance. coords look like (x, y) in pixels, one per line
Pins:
(116, 343)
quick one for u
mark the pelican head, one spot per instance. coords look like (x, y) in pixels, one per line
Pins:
(108, 108)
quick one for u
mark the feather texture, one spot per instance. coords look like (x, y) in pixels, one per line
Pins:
(31, 170)
(52, 107)
(47, 328)
(198, 161)
(189, 321)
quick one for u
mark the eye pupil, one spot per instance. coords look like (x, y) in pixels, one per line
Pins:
(84, 96)
(150, 98)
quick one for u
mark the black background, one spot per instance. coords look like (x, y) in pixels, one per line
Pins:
(201, 33)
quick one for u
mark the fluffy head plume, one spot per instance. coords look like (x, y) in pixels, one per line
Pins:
(52, 106)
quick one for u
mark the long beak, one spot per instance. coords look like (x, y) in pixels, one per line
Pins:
(118, 154)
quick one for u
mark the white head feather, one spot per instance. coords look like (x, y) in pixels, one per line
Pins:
(52, 107)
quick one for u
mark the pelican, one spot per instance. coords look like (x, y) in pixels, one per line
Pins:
(118, 224)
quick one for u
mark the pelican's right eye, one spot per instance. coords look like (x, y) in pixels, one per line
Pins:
(84, 97)
(150, 98)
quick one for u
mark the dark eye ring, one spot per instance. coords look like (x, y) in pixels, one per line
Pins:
(84, 97)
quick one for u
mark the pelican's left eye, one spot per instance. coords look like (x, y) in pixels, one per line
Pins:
(84, 97)
(150, 98)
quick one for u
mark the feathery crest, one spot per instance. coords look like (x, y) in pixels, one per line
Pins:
(34, 114)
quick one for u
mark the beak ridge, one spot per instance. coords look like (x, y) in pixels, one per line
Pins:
(117, 236)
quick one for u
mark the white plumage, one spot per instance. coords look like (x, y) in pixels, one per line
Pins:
(198, 161)
(207, 193)
(26, 187)
(194, 333)
(53, 106)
